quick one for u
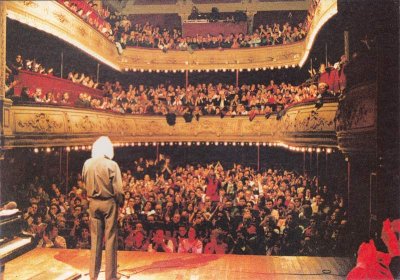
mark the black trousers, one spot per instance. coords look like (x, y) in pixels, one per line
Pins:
(103, 224)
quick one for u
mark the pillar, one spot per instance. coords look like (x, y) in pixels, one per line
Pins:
(3, 101)
(3, 34)
(346, 44)
(250, 21)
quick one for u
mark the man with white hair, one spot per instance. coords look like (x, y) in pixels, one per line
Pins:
(103, 181)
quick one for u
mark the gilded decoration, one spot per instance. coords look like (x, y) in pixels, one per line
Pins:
(40, 122)
(95, 44)
(85, 124)
(314, 122)
(358, 110)
(31, 4)
(75, 125)
(61, 17)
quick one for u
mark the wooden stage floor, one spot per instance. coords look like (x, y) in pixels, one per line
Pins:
(60, 263)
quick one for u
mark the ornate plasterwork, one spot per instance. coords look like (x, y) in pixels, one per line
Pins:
(356, 120)
(82, 126)
(62, 23)
(52, 17)
(358, 111)
(40, 123)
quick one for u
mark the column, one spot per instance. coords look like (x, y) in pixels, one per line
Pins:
(250, 21)
(5, 103)
(346, 44)
(3, 33)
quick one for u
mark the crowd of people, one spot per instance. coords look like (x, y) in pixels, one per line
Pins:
(203, 208)
(196, 100)
(119, 29)
(149, 36)
(192, 101)
(93, 13)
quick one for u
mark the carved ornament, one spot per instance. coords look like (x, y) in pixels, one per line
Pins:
(40, 123)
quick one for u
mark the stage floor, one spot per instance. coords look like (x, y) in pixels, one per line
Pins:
(62, 263)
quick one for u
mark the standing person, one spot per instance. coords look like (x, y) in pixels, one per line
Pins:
(103, 181)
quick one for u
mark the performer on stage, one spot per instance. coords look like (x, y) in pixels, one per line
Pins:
(103, 181)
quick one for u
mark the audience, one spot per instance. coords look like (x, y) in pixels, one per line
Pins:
(168, 209)
(119, 29)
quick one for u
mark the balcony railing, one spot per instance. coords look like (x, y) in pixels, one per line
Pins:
(47, 83)
(43, 125)
(54, 18)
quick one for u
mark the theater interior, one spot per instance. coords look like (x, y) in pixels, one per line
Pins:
(270, 128)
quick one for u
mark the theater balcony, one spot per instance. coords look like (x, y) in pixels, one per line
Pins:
(55, 85)
(54, 18)
(299, 127)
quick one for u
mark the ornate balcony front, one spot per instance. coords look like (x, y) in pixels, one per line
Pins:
(302, 125)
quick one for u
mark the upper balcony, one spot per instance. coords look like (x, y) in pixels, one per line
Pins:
(54, 18)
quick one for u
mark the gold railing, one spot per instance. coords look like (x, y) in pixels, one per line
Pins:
(48, 126)
(52, 17)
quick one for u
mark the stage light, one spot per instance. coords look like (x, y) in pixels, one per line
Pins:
(270, 144)
(162, 143)
(139, 144)
(225, 143)
(83, 148)
(189, 143)
(207, 143)
(303, 149)
(328, 150)
(250, 143)
(256, 69)
(293, 65)
(150, 70)
(154, 144)
(146, 144)
(264, 144)
(180, 143)
(76, 148)
(48, 150)
(158, 70)
(216, 143)
(286, 66)
(257, 144)
(171, 143)
(264, 68)
(272, 67)
(36, 150)
(198, 143)
(279, 67)
(233, 70)
(191, 70)
(309, 150)
(223, 70)
(240, 70)
(68, 149)
(318, 150)
(234, 144)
